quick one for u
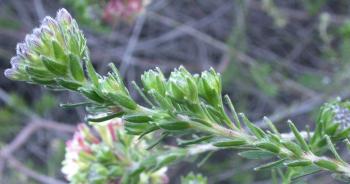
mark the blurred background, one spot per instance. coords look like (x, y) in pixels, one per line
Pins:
(278, 58)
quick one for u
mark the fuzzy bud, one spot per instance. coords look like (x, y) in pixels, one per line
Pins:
(55, 40)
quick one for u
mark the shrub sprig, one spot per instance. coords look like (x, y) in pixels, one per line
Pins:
(56, 55)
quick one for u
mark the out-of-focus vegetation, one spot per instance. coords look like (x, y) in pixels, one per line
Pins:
(277, 58)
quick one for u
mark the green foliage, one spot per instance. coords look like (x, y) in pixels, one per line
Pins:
(182, 104)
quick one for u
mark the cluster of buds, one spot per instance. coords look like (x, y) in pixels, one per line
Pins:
(126, 10)
(192, 178)
(183, 87)
(199, 94)
(106, 154)
(55, 55)
(52, 54)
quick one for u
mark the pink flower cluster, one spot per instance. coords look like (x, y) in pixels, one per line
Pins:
(122, 9)
(80, 147)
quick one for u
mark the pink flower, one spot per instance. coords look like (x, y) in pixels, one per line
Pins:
(122, 9)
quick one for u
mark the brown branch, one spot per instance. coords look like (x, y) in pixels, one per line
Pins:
(201, 36)
(18, 166)
(6, 153)
(31, 128)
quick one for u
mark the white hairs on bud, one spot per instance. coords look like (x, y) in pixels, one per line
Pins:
(45, 30)
(15, 61)
(21, 48)
(36, 32)
(50, 22)
(342, 116)
(10, 73)
(63, 16)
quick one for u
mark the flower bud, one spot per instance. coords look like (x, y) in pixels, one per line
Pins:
(154, 80)
(209, 87)
(182, 86)
(50, 23)
(63, 17)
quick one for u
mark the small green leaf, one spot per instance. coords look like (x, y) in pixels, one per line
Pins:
(69, 84)
(298, 136)
(54, 67)
(195, 141)
(298, 163)
(303, 171)
(332, 128)
(233, 111)
(105, 118)
(333, 150)
(58, 51)
(162, 101)
(256, 154)
(271, 125)
(174, 125)
(293, 147)
(137, 118)
(42, 81)
(327, 164)
(38, 73)
(150, 129)
(91, 94)
(255, 130)
(269, 147)
(91, 73)
(136, 128)
(275, 164)
(343, 134)
(73, 105)
(76, 68)
(232, 143)
(142, 94)
(123, 100)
